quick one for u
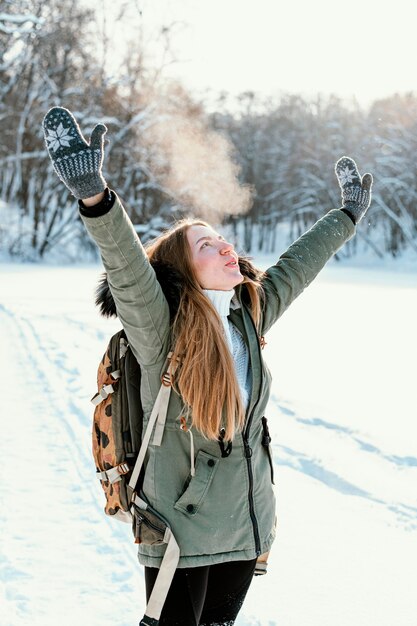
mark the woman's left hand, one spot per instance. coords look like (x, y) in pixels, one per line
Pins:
(356, 191)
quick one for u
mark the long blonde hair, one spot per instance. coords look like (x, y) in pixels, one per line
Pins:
(206, 378)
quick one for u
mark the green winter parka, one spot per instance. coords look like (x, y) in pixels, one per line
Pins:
(226, 511)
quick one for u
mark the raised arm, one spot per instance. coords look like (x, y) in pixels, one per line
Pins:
(141, 305)
(304, 259)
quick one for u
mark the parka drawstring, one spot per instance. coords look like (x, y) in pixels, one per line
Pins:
(185, 428)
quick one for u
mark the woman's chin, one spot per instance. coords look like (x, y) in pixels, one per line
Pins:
(238, 279)
(224, 285)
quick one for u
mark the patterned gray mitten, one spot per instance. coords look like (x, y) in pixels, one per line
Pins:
(356, 191)
(77, 163)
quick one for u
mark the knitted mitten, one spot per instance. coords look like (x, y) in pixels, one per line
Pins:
(356, 191)
(77, 163)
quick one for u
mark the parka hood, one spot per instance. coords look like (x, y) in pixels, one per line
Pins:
(170, 280)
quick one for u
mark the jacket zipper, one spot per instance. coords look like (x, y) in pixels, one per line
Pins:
(144, 520)
(248, 455)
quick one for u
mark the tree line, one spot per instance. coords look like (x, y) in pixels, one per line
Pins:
(280, 153)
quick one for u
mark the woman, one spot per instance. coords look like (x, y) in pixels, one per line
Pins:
(212, 476)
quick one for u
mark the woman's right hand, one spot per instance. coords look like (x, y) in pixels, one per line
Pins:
(77, 162)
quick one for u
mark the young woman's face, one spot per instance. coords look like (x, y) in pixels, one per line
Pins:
(215, 261)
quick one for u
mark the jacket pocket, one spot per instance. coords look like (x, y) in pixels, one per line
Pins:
(192, 498)
(148, 526)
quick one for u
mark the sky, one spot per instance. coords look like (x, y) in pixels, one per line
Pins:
(356, 49)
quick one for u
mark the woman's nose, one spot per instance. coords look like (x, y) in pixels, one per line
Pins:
(226, 247)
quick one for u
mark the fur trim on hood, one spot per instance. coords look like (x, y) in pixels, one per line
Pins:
(169, 279)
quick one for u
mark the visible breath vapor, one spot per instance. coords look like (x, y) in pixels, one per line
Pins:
(194, 163)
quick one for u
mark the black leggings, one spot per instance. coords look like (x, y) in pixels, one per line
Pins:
(204, 596)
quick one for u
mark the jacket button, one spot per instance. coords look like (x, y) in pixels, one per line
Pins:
(190, 508)
(210, 462)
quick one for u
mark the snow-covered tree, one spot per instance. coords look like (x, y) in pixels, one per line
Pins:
(287, 150)
(164, 157)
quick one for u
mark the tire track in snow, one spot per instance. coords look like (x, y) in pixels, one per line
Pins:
(317, 468)
(58, 535)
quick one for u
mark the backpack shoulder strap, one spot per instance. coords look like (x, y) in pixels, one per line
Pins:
(157, 419)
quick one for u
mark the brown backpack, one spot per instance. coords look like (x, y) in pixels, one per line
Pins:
(119, 448)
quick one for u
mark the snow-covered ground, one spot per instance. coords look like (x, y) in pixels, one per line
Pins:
(344, 422)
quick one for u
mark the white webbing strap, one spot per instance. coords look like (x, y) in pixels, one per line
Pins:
(139, 502)
(148, 432)
(164, 400)
(164, 579)
(102, 394)
(172, 553)
(164, 395)
(123, 346)
(159, 412)
(192, 469)
(114, 474)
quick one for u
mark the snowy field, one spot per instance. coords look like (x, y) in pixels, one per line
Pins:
(344, 423)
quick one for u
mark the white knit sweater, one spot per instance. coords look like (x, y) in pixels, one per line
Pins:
(221, 302)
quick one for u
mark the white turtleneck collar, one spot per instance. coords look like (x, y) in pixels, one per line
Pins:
(220, 300)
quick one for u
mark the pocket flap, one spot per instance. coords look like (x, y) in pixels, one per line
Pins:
(205, 468)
